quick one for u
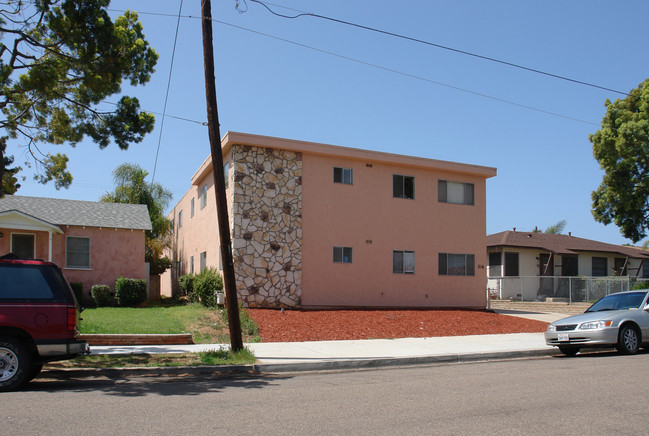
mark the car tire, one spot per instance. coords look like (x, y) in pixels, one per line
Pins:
(15, 364)
(628, 340)
(569, 351)
(34, 371)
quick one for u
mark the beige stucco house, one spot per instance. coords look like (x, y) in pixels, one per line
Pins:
(92, 242)
(316, 225)
(539, 266)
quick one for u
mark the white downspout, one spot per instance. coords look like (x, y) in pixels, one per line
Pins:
(49, 232)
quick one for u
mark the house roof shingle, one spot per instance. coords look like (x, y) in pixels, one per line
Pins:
(560, 244)
(80, 213)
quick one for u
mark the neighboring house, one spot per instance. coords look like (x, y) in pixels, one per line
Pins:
(92, 242)
(317, 225)
(537, 266)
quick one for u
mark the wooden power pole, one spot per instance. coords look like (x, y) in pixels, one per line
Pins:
(229, 282)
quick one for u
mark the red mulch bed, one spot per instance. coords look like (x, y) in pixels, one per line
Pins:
(333, 325)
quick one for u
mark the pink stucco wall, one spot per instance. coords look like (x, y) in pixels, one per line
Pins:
(198, 233)
(113, 253)
(366, 217)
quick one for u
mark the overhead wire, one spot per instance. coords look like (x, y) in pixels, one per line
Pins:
(330, 53)
(164, 110)
(432, 44)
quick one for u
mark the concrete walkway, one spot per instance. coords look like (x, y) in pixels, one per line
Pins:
(322, 355)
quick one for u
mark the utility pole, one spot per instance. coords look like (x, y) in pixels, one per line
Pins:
(229, 282)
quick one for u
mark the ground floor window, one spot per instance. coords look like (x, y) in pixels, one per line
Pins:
(23, 245)
(511, 264)
(77, 252)
(456, 264)
(600, 267)
(202, 260)
(403, 262)
(569, 265)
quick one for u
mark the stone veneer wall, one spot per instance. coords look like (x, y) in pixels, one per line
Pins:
(266, 218)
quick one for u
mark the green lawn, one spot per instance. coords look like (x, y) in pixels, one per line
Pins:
(205, 325)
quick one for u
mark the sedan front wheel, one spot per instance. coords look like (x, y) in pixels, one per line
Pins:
(628, 340)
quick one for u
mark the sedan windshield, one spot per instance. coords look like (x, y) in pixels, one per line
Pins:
(626, 301)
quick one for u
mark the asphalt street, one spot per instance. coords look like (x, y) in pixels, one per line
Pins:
(592, 393)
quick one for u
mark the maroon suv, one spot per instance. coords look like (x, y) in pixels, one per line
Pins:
(39, 316)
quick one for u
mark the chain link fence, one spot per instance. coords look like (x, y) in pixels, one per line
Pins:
(569, 289)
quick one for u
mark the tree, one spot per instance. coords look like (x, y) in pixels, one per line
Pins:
(131, 188)
(556, 229)
(59, 59)
(621, 147)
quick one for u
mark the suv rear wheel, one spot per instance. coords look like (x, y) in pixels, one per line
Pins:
(15, 364)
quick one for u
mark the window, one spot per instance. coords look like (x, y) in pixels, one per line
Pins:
(180, 219)
(191, 209)
(203, 196)
(511, 264)
(226, 174)
(343, 175)
(23, 246)
(403, 262)
(645, 269)
(569, 265)
(343, 254)
(403, 186)
(202, 260)
(456, 193)
(600, 267)
(495, 264)
(191, 264)
(620, 267)
(456, 264)
(77, 253)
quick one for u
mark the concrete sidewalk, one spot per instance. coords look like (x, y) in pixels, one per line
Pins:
(323, 355)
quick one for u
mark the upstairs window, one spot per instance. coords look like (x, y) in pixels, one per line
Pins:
(456, 193)
(203, 196)
(226, 174)
(342, 254)
(403, 186)
(191, 209)
(344, 175)
(180, 219)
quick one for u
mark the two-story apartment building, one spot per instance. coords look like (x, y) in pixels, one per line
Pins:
(316, 225)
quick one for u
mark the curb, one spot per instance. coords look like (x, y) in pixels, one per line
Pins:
(264, 368)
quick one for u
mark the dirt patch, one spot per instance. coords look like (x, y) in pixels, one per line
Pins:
(331, 325)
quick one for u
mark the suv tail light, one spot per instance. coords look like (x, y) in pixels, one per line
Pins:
(72, 319)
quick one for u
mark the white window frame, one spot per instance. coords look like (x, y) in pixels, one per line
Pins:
(403, 186)
(465, 188)
(468, 267)
(67, 252)
(343, 255)
(11, 242)
(345, 176)
(407, 262)
(203, 196)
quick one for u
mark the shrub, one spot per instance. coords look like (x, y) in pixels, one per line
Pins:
(206, 284)
(77, 288)
(102, 295)
(130, 292)
(186, 285)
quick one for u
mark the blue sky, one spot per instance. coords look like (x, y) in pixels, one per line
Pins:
(346, 86)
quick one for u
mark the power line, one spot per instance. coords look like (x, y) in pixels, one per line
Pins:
(432, 44)
(164, 110)
(468, 91)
